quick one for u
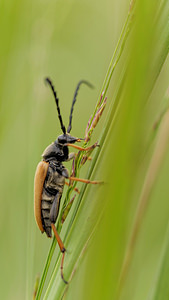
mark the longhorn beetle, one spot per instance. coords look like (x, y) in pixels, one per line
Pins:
(50, 176)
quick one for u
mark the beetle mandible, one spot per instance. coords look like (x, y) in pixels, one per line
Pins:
(51, 174)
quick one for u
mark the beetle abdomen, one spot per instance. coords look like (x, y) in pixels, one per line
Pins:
(53, 187)
(46, 205)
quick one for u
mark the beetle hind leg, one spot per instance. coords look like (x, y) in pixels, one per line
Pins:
(62, 249)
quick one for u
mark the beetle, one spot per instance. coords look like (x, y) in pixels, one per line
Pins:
(50, 175)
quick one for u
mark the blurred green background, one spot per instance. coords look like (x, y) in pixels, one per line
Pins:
(69, 41)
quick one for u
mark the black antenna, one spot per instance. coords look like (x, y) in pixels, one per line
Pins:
(74, 100)
(57, 104)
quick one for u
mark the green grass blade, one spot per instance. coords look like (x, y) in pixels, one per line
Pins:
(160, 289)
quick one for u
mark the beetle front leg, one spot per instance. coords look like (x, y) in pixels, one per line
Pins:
(81, 148)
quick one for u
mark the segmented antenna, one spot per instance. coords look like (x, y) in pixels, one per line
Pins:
(57, 104)
(74, 100)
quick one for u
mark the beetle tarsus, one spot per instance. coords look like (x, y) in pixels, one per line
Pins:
(61, 267)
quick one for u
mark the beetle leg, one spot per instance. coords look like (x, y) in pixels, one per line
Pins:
(53, 216)
(62, 249)
(85, 180)
(61, 266)
(60, 243)
(81, 148)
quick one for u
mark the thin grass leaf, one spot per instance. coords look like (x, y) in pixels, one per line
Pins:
(162, 145)
(160, 289)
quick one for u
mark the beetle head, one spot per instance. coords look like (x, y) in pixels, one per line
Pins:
(67, 139)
